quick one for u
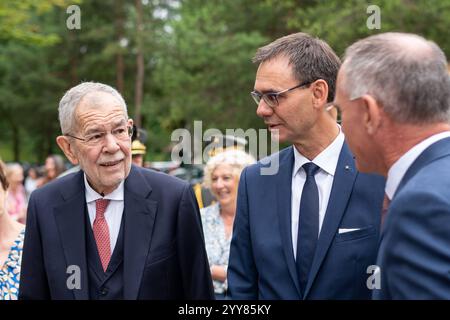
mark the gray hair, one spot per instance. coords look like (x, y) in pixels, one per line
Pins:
(237, 159)
(73, 97)
(405, 73)
(311, 58)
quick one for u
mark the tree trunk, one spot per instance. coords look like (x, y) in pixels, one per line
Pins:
(120, 66)
(139, 85)
(73, 59)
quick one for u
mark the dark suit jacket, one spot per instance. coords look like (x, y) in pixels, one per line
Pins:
(414, 255)
(164, 252)
(262, 264)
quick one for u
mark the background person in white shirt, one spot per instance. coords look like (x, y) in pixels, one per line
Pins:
(394, 95)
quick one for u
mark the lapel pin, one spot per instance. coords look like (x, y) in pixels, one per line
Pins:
(347, 167)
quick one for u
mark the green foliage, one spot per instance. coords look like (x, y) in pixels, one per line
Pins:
(341, 23)
(22, 20)
(197, 57)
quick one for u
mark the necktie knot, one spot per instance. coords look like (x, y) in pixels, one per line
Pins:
(310, 169)
(100, 208)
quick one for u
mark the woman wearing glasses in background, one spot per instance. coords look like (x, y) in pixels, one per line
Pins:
(11, 243)
(221, 176)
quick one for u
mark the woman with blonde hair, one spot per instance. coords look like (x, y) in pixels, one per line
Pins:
(11, 243)
(221, 175)
(17, 197)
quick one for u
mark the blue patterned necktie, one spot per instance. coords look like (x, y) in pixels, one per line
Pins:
(308, 224)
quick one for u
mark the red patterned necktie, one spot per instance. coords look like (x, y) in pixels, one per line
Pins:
(384, 210)
(101, 232)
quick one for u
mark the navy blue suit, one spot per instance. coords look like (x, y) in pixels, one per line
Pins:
(163, 248)
(414, 254)
(262, 264)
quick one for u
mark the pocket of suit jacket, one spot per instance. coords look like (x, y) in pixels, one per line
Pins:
(359, 233)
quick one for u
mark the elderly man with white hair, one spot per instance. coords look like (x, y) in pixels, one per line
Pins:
(112, 230)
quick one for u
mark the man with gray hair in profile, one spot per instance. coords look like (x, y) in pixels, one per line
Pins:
(393, 91)
(112, 230)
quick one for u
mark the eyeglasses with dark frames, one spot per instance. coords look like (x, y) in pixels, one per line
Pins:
(271, 98)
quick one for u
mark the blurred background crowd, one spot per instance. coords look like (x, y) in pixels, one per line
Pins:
(174, 62)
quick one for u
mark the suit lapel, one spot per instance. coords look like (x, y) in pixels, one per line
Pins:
(70, 220)
(140, 213)
(341, 190)
(283, 190)
(437, 150)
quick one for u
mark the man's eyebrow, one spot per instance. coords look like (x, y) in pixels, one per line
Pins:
(100, 128)
(267, 91)
(93, 130)
(120, 122)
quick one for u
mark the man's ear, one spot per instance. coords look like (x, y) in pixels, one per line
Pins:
(319, 93)
(372, 118)
(67, 148)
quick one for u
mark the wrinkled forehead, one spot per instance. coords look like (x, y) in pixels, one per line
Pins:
(99, 108)
(97, 98)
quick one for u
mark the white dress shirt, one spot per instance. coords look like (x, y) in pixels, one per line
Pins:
(327, 161)
(113, 213)
(399, 168)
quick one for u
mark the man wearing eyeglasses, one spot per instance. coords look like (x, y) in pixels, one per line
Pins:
(310, 231)
(112, 230)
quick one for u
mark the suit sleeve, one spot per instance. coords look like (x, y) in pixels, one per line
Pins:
(33, 278)
(196, 276)
(416, 261)
(242, 273)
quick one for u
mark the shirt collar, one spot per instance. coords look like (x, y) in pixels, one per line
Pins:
(327, 160)
(399, 168)
(92, 195)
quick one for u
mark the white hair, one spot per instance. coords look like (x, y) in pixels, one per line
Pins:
(73, 97)
(237, 159)
(12, 168)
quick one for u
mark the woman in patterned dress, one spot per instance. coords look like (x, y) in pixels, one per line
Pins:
(222, 174)
(11, 242)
